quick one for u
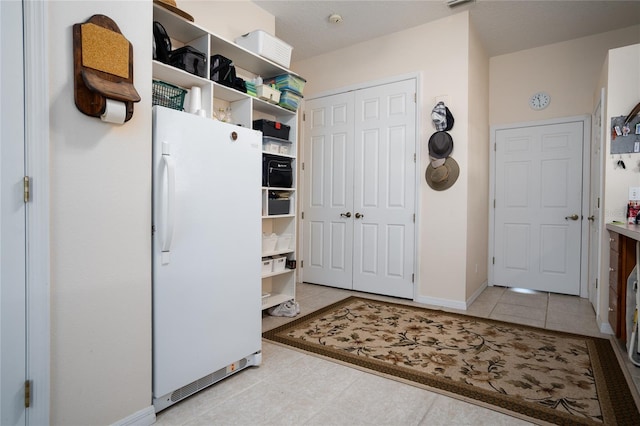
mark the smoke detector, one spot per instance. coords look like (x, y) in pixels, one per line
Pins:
(335, 18)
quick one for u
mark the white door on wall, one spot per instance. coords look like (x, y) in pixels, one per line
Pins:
(12, 219)
(359, 198)
(538, 199)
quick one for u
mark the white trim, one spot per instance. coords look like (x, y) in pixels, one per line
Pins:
(586, 173)
(475, 294)
(36, 63)
(144, 417)
(445, 303)
(416, 76)
(368, 84)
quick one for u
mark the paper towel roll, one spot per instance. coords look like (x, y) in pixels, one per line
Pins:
(114, 112)
(195, 100)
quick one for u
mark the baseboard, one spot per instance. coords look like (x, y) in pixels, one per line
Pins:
(445, 303)
(144, 417)
(477, 293)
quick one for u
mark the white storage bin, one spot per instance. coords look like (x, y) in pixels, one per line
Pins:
(269, 243)
(284, 242)
(268, 93)
(264, 44)
(279, 263)
(267, 266)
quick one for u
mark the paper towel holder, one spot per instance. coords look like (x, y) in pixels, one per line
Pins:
(102, 67)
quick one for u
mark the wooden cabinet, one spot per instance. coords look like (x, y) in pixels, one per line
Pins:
(622, 259)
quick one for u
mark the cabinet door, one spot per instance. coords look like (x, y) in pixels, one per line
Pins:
(359, 197)
(328, 204)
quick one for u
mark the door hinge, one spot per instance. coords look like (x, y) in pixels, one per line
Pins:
(27, 189)
(598, 202)
(495, 146)
(415, 98)
(414, 157)
(414, 218)
(493, 261)
(304, 116)
(494, 203)
(27, 393)
(302, 215)
(596, 283)
(413, 277)
(302, 165)
(302, 263)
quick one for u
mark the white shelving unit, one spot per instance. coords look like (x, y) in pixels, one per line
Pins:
(277, 287)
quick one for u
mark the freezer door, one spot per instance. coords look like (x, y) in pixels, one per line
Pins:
(206, 247)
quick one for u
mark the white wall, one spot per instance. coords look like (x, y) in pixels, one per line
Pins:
(568, 71)
(229, 19)
(478, 164)
(621, 79)
(443, 62)
(100, 232)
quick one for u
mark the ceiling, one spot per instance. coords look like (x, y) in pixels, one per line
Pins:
(503, 26)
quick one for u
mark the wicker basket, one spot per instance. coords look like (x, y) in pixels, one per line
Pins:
(168, 95)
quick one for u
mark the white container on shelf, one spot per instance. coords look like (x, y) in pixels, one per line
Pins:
(267, 266)
(269, 242)
(284, 242)
(279, 263)
(268, 93)
(264, 44)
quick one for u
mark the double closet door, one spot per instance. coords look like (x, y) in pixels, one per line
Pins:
(359, 189)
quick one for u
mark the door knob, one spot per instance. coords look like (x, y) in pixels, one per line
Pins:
(347, 214)
(358, 215)
(572, 217)
(591, 218)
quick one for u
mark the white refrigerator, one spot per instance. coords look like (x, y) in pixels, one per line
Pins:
(206, 237)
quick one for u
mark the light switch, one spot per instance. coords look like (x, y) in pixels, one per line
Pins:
(634, 193)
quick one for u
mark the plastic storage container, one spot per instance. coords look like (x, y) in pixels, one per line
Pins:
(279, 263)
(289, 99)
(267, 266)
(167, 95)
(284, 242)
(264, 44)
(288, 82)
(269, 243)
(276, 145)
(279, 206)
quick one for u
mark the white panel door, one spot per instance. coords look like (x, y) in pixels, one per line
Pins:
(359, 190)
(384, 182)
(538, 195)
(328, 191)
(12, 219)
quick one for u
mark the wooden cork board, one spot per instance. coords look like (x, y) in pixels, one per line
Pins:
(105, 50)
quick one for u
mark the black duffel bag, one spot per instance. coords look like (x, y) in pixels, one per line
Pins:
(222, 70)
(189, 59)
(276, 171)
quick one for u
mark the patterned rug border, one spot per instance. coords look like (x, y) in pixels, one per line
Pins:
(620, 409)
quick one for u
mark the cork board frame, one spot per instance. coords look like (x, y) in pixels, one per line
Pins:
(97, 80)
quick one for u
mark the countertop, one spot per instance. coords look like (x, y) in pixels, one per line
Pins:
(626, 229)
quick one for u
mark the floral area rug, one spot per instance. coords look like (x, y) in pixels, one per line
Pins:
(531, 373)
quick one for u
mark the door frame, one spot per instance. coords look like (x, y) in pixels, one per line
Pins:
(586, 177)
(36, 82)
(417, 196)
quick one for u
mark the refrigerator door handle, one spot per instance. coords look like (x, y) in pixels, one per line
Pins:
(168, 192)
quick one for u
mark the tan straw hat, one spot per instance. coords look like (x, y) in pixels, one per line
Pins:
(171, 5)
(443, 177)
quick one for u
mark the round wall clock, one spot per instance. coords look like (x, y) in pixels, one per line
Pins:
(539, 100)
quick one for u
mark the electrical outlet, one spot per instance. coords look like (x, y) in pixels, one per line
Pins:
(634, 193)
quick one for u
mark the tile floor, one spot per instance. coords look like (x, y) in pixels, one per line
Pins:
(292, 388)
